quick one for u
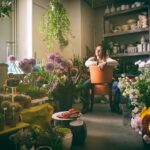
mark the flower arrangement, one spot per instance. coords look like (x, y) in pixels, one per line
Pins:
(137, 91)
(58, 78)
(62, 80)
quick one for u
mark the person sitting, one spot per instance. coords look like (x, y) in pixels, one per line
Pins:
(101, 59)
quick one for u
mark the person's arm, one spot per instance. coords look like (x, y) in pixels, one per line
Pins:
(90, 62)
(102, 64)
(111, 62)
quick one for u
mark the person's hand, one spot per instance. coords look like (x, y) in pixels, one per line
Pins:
(102, 65)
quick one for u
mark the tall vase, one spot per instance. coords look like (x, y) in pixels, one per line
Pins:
(64, 98)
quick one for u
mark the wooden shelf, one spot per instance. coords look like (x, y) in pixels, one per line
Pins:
(127, 32)
(130, 54)
(125, 11)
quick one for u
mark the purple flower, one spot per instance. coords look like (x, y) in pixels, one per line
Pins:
(25, 65)
(49, 66)
(51, 56)
(62, 65)
(57, 59)
(11, 58)
(32, 61)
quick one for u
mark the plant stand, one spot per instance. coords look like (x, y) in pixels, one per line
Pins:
(79, 131)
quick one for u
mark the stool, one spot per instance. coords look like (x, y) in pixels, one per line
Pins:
(79, 131)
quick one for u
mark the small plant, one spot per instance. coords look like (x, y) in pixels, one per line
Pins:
(23, 137)
(62, 131)
(23, 100)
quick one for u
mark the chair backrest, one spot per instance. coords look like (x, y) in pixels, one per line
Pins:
(101, 76)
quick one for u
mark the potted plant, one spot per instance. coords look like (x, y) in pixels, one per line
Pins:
(66, 137)
(23, 100)
(45, 137)
(23, 138)
(12, 111)
(55, 24)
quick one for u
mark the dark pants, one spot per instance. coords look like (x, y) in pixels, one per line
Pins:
(85, 94)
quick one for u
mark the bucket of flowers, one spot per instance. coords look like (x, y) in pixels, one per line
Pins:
(137, 92)
(63, 78)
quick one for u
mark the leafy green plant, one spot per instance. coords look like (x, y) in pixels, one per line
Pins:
(55, 24)
(5, 7)
(62, 131)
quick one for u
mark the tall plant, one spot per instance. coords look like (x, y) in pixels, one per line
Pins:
(55, 24)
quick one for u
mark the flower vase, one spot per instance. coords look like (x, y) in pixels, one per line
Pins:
(64, 99)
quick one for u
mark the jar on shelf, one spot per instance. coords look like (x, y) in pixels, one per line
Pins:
(115, 48)
(107, 11)
(112, 9)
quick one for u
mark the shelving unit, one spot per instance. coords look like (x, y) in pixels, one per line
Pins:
(126, 59)
(127, 11)
(127, 32)
(131, 54)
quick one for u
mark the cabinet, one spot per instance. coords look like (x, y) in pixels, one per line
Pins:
(127, 32)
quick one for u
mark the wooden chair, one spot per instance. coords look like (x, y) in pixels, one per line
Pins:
(101, 82)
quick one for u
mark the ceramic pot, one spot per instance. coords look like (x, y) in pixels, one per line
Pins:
(67, 141)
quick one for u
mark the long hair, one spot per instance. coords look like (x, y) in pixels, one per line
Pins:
(104, 54)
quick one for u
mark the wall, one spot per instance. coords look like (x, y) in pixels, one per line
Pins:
(73, 8)
(39, 46)
(99, 25)
(5, 35)
(87, 28)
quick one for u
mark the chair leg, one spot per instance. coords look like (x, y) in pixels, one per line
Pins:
(110, 97)
(92, 99)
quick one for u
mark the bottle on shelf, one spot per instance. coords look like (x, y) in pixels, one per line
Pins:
(107, 11)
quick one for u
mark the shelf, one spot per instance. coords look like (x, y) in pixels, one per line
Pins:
(127, 32)
(131, 54)
(125, 11)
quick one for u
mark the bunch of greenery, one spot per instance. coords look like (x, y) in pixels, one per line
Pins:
(55, 24)
(5, 8)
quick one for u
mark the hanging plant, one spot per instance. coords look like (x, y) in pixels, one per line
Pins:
(55, 24)
(5, 8)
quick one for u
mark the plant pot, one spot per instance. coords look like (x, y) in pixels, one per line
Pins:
(67, 141)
